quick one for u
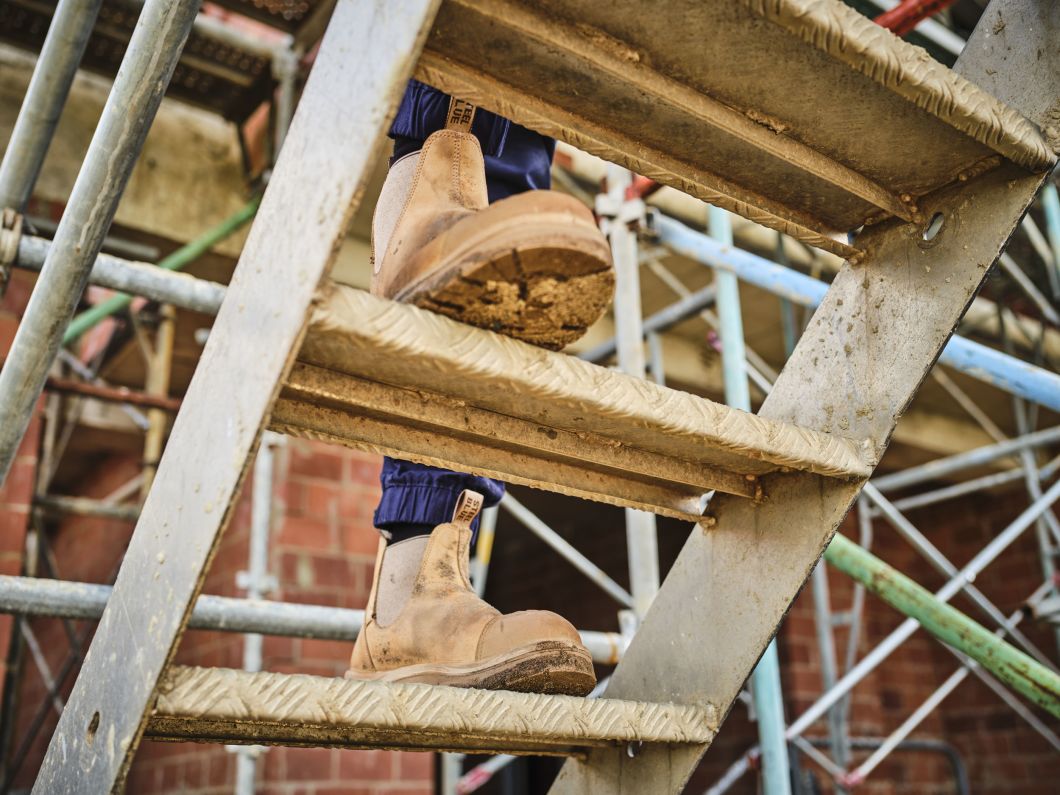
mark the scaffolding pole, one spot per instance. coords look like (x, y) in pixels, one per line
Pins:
(136, 278)
(1051, 207)
(680, 310)
(967, 574)
(980, 456)
(1034, 681)
(621, 213)
(942, 564)
(594, 573)
(968, 666)
(973, 486)
(258, 583)
(53, 75)
(33, 596)
(765, 681)
(180, 258)
(152, 54)
(882, 650)
(971, 358)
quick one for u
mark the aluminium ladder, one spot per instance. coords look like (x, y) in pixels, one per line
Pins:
(799, 114)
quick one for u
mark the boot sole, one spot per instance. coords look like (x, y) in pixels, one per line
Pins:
(547, 293)
(552, 667)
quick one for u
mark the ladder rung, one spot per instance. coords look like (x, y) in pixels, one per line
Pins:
(802, 115)
(392, 378)
(230, 706)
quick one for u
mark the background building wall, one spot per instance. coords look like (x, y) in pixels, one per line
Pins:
(16, 493)
(323, 549)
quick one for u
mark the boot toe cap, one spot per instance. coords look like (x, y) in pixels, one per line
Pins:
(527, 627)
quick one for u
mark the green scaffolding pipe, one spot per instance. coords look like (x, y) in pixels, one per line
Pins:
(951, 626)
(180, 258)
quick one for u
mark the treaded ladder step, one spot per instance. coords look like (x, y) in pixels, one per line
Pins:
(395, 379)
(784, 111)
(231, 706)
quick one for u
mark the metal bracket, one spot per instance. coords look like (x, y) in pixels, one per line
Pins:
(266, 584)
(631, 212)
(10, 234)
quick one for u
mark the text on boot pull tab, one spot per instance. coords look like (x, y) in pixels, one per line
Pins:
(467, 507)
(461, 115)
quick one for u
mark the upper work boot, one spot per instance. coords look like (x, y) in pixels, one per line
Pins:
(533, 266)
(424, 623)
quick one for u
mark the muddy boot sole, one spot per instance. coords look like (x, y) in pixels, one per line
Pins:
(552, 667)
(546, 292)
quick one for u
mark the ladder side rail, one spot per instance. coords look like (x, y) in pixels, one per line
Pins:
(731, 585)
(337, 135)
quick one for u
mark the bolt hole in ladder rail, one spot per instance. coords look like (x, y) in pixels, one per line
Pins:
(810, 157)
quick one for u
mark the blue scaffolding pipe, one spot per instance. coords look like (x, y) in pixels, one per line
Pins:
(979, 361)
(765, 681)
(1051, 207)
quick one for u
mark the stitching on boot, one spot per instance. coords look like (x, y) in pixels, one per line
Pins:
(454, 168)
(408, 199)
(482, 635)
(368, 644)
(464, 555)
(415, 179)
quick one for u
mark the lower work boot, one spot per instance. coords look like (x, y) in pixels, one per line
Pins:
(533, 266)
(424, 623)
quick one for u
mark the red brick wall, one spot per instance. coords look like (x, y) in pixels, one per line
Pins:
(16, 493)
(1002, 754)
(322, 553)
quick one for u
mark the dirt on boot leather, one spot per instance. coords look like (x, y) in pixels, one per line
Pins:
(533, 266)
(438, 631)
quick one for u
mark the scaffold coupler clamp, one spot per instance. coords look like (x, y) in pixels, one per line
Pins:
(630, 212)
(10, 234)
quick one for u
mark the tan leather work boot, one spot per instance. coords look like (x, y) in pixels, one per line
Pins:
(533, 266)
(425, 624)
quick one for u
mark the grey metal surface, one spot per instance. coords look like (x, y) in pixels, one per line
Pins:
(37, 118)
(849, 373)
(35, 596)
(642, 549)
(222, 69)
(148, 64)
(135, 278)
(823, 624)
(337, 135)
(976, 485)
(967, 574)
(789, 117)
(83, 506)
(358, 336)
(942, 564)
(257, 582)
(32, 596)
(221, 705)
(566, 550)
(941, 467)
(435, 429)
(662, 320)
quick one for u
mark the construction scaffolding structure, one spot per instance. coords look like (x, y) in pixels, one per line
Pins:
(352, 383)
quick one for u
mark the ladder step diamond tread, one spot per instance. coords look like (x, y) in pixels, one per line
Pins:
(233, 706)
(387, 376)
(784, 111)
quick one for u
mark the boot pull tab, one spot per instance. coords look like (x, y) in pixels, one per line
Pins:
(468, 505)
(461, 115)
